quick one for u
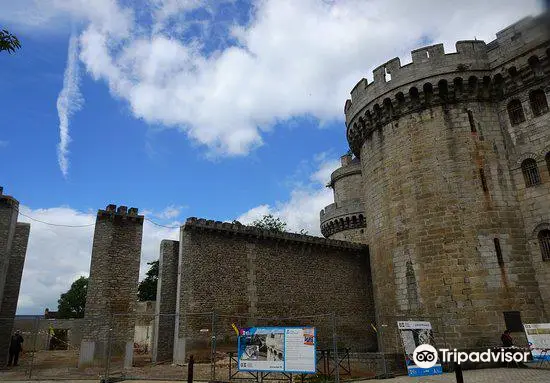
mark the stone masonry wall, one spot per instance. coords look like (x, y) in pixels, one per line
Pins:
(431, 225)
(352, 235)
(8, 219)
(13, 246)
(13, 283)
(166, 301)
(450, 233)
(531, 139)
(246, 274)
(113, 282)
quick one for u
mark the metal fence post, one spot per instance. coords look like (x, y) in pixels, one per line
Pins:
(108, 355)
(213, 348)
(335, 345)
(36, 328)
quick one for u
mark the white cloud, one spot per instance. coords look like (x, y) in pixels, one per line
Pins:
(69, 102)
(292, 58)
(171, 211)
(301, 210)
(56, 256)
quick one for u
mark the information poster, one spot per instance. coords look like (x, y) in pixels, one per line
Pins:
(538, 336)
(277, 349)
(414, 334)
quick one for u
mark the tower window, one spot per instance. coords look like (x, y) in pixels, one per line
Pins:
(483, 180)
(544, 241)
(530, 172)
(538, 102)
(472, 122)
(534, 63)
(499, 252)
(547, 157)
(515, 112)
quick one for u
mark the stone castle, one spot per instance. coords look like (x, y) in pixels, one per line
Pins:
(450, 188)
(441, 211)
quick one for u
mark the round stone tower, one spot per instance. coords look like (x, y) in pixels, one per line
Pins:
(445, 230)
(345, 219)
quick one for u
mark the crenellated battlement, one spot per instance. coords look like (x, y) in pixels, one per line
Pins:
(122, 212)
(349, 167)
(426, 62)
(342, 216)
(8, 199)
(455, 87)
(194, 223)
(502, 58)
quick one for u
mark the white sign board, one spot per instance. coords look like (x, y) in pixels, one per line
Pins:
(538, 336)
(277, 349)
(414, 334)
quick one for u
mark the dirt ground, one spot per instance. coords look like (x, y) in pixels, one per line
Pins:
(64, 365)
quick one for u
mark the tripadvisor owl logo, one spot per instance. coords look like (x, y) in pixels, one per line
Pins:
(425, 356)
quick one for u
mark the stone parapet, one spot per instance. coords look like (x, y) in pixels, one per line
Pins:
(351, 168)
(122, 212)
(476, 72)
(250, 231)
(346, 215)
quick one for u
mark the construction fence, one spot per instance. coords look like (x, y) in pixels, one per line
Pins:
(346, 350)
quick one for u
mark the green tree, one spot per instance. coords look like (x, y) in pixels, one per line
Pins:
(8, 42)
(147, 289)
(269, 222)
(71, 304)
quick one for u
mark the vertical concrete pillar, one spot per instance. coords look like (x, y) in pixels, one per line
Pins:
(112, 286)
(165, 310)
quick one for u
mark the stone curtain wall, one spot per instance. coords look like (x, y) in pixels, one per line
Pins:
(112, 287)
(242, 271)
(165, 312)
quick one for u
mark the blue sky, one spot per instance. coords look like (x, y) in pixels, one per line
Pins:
(220, 110)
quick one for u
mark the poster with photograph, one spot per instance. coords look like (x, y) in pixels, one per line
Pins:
(277, 349)
(413, 334)
(538, 337)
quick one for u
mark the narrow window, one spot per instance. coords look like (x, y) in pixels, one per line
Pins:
(530, 172)
(538, 102)
(513, 72)
(443, 89)
(472, 122)
(413, 94)
(534, 63)
(428, 92)
(547, 157)
(515, 112)
(483, 181)
(499, 252)
(499, 85)
(512, 319)
(544, 241)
